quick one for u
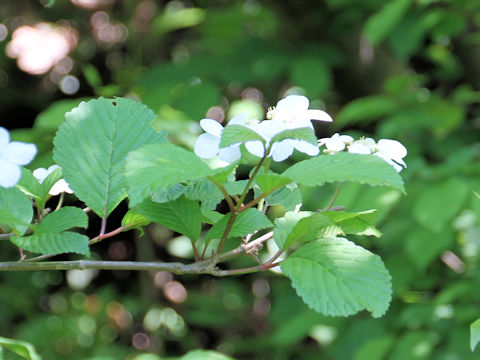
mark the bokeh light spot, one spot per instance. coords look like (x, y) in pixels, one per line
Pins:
(175, 292)
(140, 341)
(69, 84)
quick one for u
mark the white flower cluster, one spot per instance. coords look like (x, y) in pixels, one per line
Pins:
(290, 113)
(392, 151)
(13, 155)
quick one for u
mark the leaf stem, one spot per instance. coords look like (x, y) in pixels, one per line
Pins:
(334, 197)
(227, 197)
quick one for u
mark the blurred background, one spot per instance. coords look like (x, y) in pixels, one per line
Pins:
(402, 69)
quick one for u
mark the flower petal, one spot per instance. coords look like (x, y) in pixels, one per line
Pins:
(41, 174)
(358, 148)
(4, 138)
(59, 187)
(230, 154)
(293, 102)
(387, 158)
(9, 173)
(306, 147)
(334, 144)
(282, 150)
(212, 127)
(393, 148)
(19, 153)
(240, 119)
(318, 115)
(206, 146)
(255, 147)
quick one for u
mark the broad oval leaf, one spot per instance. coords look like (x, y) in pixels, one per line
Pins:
(160, 166)
(91, 146)
(16, 209)
(341, 167)
(181, 215)
(54, 243)
(236, 134)
(306, 134)
(336, 277)
(271, 182)
(63, 219)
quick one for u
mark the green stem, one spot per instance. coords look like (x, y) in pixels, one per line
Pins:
(247, 187)
(232, 219)
(334, 197)
(228, 198)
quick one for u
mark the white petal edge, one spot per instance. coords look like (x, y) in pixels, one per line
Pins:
(19, 153)
(10, 173)
(59, 187)
(206, 146)
(240, 119)
(41, 173)
(282, 150)
(319, 115)
(212, 127)
(357, 148)
(230, 154)
(4, 138)
(293, 102)
(306, 147)
(255, 147)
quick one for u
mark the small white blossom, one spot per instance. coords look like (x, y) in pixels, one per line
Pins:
(336, 143)
(393, 152)
(13, 154)
(207, 145)
(60, 186)
(359, 148)
(293, 113)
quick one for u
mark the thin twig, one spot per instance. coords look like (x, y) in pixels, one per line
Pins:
(334, 197)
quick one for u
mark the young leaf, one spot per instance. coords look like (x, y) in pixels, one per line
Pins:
(269, 182)
(338, 278)
(159, 166)
(91, 146)
(474, 334)
(364, 169)
(32, 187)
(54, 243)
(15, 209)
(312, 227)
(359, 223)
(289, 197)
(63, 219)
(284, 225)
(19, 347)
(133, 219)
(235, 134)
(306, 134)
(181, 215)
(246, 223)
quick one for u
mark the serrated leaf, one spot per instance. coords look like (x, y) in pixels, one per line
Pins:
(63, 219)
(310, 228)
(169, 194)
(289, 197)
(236, 134)
(92, 144)
(341, 167)
(246, 223)
(133, 219)
(305, 134)
(54, 243)
(160, 166)
(359, 223)
(269, 182)
(21, 348)
(210, 217)
(16, 209)
(284, 225)
(181, 215)
(335, 277)
(474, 334)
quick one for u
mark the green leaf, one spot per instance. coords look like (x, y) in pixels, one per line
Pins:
(160, 166)
(364, 169)
(54, 243)
(15, 209)
(312, 227)
(133, 219)
(92, 144)
(51, 118)
(19, 347)
(474, 334)
(439, 203)
(423, 246)
(380, 24)
(181, 215)
(32, 187)
(236, 134)
(246, 223)
(269, 182)
(205, 355)
(376, 349)
(366, 110)
(289, 197)
(338, 278)
(359, 223)
(63, 219)
(312, 74)
(305, 134)
(284, 225)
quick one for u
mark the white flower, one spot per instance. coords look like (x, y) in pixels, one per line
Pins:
(207, 145)
(12, 156)
(359, 148)
(293, 113)
(336, 143)
(393, 152)
(60, 186)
